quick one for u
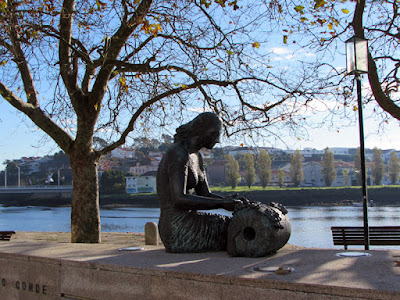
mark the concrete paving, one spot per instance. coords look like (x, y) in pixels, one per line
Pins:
(373, 275)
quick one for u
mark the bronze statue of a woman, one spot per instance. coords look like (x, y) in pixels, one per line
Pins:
(182, 189)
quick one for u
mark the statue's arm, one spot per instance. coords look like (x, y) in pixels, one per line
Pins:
(178, 172)
(202, 187)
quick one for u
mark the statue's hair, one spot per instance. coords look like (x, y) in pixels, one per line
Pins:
(202, 123)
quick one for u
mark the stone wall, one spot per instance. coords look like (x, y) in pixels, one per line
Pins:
(30, 277)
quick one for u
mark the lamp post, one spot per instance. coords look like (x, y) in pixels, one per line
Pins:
(357, 64)
(58, 175)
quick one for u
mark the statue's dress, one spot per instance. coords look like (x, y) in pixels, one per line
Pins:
(181, 229)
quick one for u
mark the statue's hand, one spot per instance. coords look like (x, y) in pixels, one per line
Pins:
(245, 200)
(229, 202)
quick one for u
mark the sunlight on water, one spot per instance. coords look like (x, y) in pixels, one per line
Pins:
(310, 225)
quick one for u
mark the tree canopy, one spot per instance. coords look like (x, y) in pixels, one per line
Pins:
(263, 167)
(249, 170)
(394, 168)
(296, 168)
(112, 182)
(232, 171)
(377, 166)
(324, 26)
(328, 168)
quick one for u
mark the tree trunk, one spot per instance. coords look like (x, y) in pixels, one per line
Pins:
(85, 212)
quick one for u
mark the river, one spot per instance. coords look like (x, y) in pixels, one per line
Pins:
(310, 225)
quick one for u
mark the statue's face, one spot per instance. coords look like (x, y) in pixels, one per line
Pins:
(211, 137)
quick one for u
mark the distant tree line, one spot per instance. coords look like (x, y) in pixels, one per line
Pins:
(252, 165)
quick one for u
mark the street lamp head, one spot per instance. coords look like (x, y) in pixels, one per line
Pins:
(357, 55)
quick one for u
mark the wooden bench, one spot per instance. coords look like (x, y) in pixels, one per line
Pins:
(6, 235)
(378, 235)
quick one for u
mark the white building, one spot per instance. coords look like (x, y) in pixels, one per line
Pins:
(386, 154)
(32, 164)
(123, 153)
(141, 184)
(241, 150)
(313, 176)
(308, 152)
(140, 169)
(287, 180)
(340, 151)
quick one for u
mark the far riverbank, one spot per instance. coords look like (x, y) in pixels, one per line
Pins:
(382, 196)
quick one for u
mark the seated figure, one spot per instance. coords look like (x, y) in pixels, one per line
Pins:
(182, 189)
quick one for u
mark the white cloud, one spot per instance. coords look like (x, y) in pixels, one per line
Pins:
(280, 50)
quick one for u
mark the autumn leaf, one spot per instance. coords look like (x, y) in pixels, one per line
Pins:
(205, 3)
(256, 45)
(3, 4)
(285, 39)
(319, 3)
(229, 52)
(100, 5)
(299, 9)
(345, 10)
(355, 108)
(234, 4)
(151, 28)
(96, 106)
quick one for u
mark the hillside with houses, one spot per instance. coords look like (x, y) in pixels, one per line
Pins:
(139, 167)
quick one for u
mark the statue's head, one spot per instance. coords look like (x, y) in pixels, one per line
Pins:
(205, 129)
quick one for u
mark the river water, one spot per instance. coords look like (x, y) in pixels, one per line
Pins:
(310, 225)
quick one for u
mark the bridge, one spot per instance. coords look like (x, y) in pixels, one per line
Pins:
(31, 194)
(36, 189)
